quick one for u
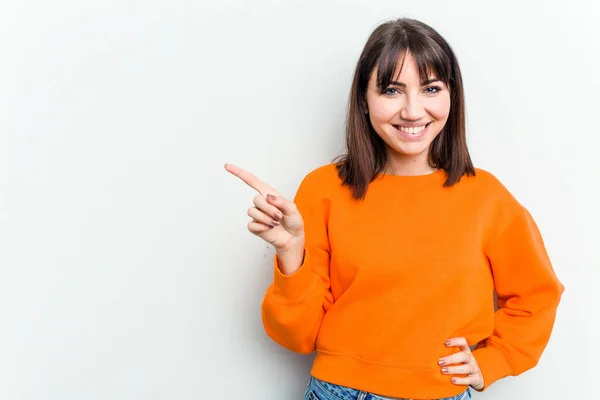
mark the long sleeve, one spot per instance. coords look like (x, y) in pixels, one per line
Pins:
(294, 305)
(528, 296)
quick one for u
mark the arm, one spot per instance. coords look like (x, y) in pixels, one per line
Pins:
(528, 296)
(294, 304)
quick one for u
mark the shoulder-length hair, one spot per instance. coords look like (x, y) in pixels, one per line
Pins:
(366, 154)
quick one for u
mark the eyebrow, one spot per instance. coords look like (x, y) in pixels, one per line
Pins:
(427, 82)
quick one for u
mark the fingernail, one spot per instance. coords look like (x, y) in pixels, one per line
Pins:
(278, 216)
(444, 370)
(447, 343)
(453, 380)
(271, 197)
(276, 223)
(441, 362)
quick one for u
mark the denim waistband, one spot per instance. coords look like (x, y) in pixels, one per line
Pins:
(321, 390)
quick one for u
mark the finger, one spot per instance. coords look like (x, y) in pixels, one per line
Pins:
(460, 342)
(456, 358)
(287, 207)
(261, 203)
(250, 179)
(464, 369)
(466, 381)
(261, 217)
(257, 227)
(465, 355)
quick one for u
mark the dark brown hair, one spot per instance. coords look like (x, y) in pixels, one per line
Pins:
(366, 154)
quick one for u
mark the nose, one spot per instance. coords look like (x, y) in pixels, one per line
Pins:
(412, 109)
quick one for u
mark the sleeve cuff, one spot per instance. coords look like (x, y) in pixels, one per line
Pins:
(294, 288)
(493, 364)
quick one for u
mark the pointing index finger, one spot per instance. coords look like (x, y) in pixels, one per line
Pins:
(250, 180)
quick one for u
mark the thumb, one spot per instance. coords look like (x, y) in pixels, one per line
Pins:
(287, 207)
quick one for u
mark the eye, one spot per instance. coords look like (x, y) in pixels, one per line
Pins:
(433, 89)
(391, 91)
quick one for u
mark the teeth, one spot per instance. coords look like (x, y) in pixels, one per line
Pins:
(412, 131)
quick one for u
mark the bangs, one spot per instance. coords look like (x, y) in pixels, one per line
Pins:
(431, 60)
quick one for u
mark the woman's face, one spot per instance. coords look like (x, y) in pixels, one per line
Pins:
(408, 115)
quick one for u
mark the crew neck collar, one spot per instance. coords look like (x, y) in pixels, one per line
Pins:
(430, 176)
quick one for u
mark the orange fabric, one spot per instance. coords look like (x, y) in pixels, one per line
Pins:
(387, 280)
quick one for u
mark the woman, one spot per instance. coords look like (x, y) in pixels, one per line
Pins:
(388, 259)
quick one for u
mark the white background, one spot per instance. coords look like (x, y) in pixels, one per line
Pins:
(126, 271)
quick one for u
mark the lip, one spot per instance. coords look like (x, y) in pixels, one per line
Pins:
(413, 125)
(408, 136)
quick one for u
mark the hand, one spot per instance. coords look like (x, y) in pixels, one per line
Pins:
(466, 365)
(274, 219)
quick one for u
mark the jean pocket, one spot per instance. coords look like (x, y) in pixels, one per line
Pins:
(310, 393)
(312, 396)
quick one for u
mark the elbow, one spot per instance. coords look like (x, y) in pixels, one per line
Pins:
(294, 327)
(548, 295)
(525, 364)
(304, 348)
(555, 292)
(289, 331)
(291, 342)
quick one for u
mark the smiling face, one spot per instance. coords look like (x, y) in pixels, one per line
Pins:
(408, 115)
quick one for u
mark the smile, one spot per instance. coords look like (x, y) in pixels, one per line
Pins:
(412, 132)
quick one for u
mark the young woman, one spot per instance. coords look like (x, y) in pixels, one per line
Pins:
(388, 259)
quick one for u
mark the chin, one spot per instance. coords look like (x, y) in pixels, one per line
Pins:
(412, 150)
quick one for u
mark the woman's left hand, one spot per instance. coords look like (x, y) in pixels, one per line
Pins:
(462, 363)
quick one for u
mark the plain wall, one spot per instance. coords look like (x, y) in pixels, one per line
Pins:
(126, 270)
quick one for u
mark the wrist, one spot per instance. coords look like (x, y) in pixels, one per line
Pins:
(294, 246)
(291, 257)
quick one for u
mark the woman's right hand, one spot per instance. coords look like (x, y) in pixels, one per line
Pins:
(274, 219)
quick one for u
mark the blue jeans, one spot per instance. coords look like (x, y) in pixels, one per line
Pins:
(321, 390)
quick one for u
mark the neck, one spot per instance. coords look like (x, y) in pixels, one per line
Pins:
(409, 167)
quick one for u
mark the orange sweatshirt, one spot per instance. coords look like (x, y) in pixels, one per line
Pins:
(387, 280)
